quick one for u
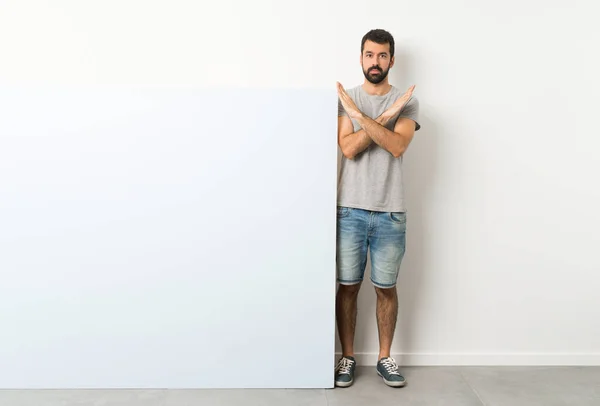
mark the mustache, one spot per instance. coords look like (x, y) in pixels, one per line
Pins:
(375, 68)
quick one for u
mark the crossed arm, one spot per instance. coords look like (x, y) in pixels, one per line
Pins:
(395, 142)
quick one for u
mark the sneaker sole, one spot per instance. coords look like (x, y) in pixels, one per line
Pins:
(393, 384)
(344, 384)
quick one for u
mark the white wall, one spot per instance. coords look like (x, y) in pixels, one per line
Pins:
(501, 265)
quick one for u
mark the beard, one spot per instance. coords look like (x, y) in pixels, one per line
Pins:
(375, 74)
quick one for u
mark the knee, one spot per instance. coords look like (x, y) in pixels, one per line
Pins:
(349, 290)
(386, 293)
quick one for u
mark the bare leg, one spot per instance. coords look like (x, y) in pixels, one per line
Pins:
(346, 309)
(387, 313)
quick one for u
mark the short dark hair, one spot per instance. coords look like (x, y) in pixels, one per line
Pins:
(378, 36)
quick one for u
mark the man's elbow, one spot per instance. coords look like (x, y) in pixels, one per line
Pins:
(398, 152)
(349, 153)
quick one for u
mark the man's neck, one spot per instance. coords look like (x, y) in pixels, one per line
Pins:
(379, 89)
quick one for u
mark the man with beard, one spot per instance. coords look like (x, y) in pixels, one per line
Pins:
(376, 123)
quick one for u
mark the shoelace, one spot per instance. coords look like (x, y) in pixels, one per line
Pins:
(344, 365)
(391, 366)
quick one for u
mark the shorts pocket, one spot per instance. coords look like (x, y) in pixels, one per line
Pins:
(398, 217)
(342, 212)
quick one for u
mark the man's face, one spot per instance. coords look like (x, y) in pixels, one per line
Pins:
(376, 61)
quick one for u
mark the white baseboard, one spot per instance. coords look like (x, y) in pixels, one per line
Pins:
(508, 359)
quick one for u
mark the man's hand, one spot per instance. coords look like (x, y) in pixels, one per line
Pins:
(348, 103)
(398, 105)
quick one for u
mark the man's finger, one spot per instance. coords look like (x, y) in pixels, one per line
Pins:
(341, 89)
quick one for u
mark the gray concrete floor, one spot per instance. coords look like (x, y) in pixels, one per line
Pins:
(427, 386)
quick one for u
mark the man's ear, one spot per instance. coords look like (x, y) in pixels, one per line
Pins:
(392, 61)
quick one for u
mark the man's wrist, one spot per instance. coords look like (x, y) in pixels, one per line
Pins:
(360, 118)
(383, 119)
(386, 117)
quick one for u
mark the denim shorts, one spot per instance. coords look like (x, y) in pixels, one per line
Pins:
(384, 233)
